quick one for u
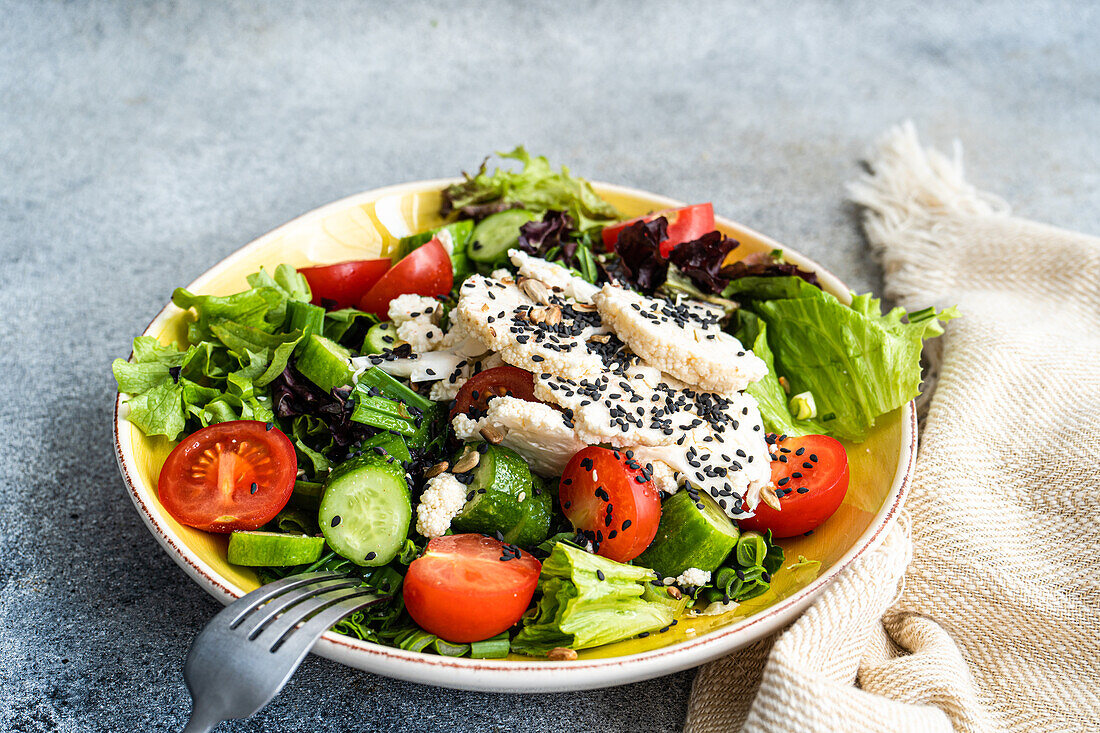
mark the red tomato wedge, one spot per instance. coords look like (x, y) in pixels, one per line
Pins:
(344, 284)
(810, 475)
(608, 496)
(469, 587)
(232, 475)
(684, 225)
(424, 271)
(473, 398)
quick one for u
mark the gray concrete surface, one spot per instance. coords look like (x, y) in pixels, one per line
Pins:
(141, 142)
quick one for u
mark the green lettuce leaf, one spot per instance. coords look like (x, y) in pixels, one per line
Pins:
(769, 393)
(536, 188)
(580, 609)
(856, 362)
(239, 345)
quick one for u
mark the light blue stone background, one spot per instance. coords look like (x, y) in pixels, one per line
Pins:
(141, 142)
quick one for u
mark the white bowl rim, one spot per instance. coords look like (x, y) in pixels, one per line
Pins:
(535, 675)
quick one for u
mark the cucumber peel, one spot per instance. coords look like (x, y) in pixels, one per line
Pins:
(272, 549)
(690, 537)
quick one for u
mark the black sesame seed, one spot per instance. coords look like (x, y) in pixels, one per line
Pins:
(335, 520)
(371, 555)
(599, 574)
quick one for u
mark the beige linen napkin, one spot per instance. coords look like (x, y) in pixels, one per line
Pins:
(994, 624)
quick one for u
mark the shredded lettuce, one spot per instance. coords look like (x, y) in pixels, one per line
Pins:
(537, 188)
(238, 346)
(857, 362)
(588, 600)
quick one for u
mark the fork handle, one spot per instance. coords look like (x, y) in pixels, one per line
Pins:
(202, 720)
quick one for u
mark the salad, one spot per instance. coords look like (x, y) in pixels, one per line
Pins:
(537, 428)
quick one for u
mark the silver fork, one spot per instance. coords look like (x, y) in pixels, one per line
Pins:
(248, 651)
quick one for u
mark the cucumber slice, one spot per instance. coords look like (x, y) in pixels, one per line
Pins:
(325, 363)
(492, 238)
(366, 510)
(534, 523)
(500, 469)
(499, 490)
(380, 337)
(690, 537)
(488, 512)
(271, 549)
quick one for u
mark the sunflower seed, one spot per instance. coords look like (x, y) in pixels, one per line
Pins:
(767, 495)
(437, 469)
(535, 290)
(492, 435)
(561, 654)
(467, 462)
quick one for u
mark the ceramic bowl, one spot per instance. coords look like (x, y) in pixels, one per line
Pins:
(368, 225)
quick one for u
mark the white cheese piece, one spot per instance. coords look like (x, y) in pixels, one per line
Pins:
(672, 338)
(536, 431)
(553, 276)
(504, 319)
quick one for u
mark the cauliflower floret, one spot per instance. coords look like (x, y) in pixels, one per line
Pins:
(442, 499)
(693, 577)
(421, 334)
(411, 307)
(536, 431)
(672, 338)
(550, 338)
(553, 275)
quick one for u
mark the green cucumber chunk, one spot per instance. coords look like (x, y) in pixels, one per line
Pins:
(460, 235)
(500, 486)
(690, 537)
(496, 234)
(534, 522)
(325, 363)
(366, 510)
(380, 337)
(271, 549)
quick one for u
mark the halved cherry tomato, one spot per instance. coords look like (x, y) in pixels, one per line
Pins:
(684, 225)
(424, 271)
(469, 587)
(232, 475)
(473, 398)
(810, 476)
(608, 496)
(344, 284)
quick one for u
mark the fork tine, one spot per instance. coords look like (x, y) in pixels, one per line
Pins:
(302, 611)
(248, 603)
(302, 637)
(265, 614)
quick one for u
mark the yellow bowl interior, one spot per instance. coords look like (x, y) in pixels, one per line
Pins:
(366, 227)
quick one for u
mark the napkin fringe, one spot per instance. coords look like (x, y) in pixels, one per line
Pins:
(914, 200)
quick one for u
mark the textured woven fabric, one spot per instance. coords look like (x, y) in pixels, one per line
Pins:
(994, 624)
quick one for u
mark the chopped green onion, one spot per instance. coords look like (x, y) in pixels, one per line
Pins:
(447, 649)
(415, 640)
(803, 406)
(494, 648)
(387, 385)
